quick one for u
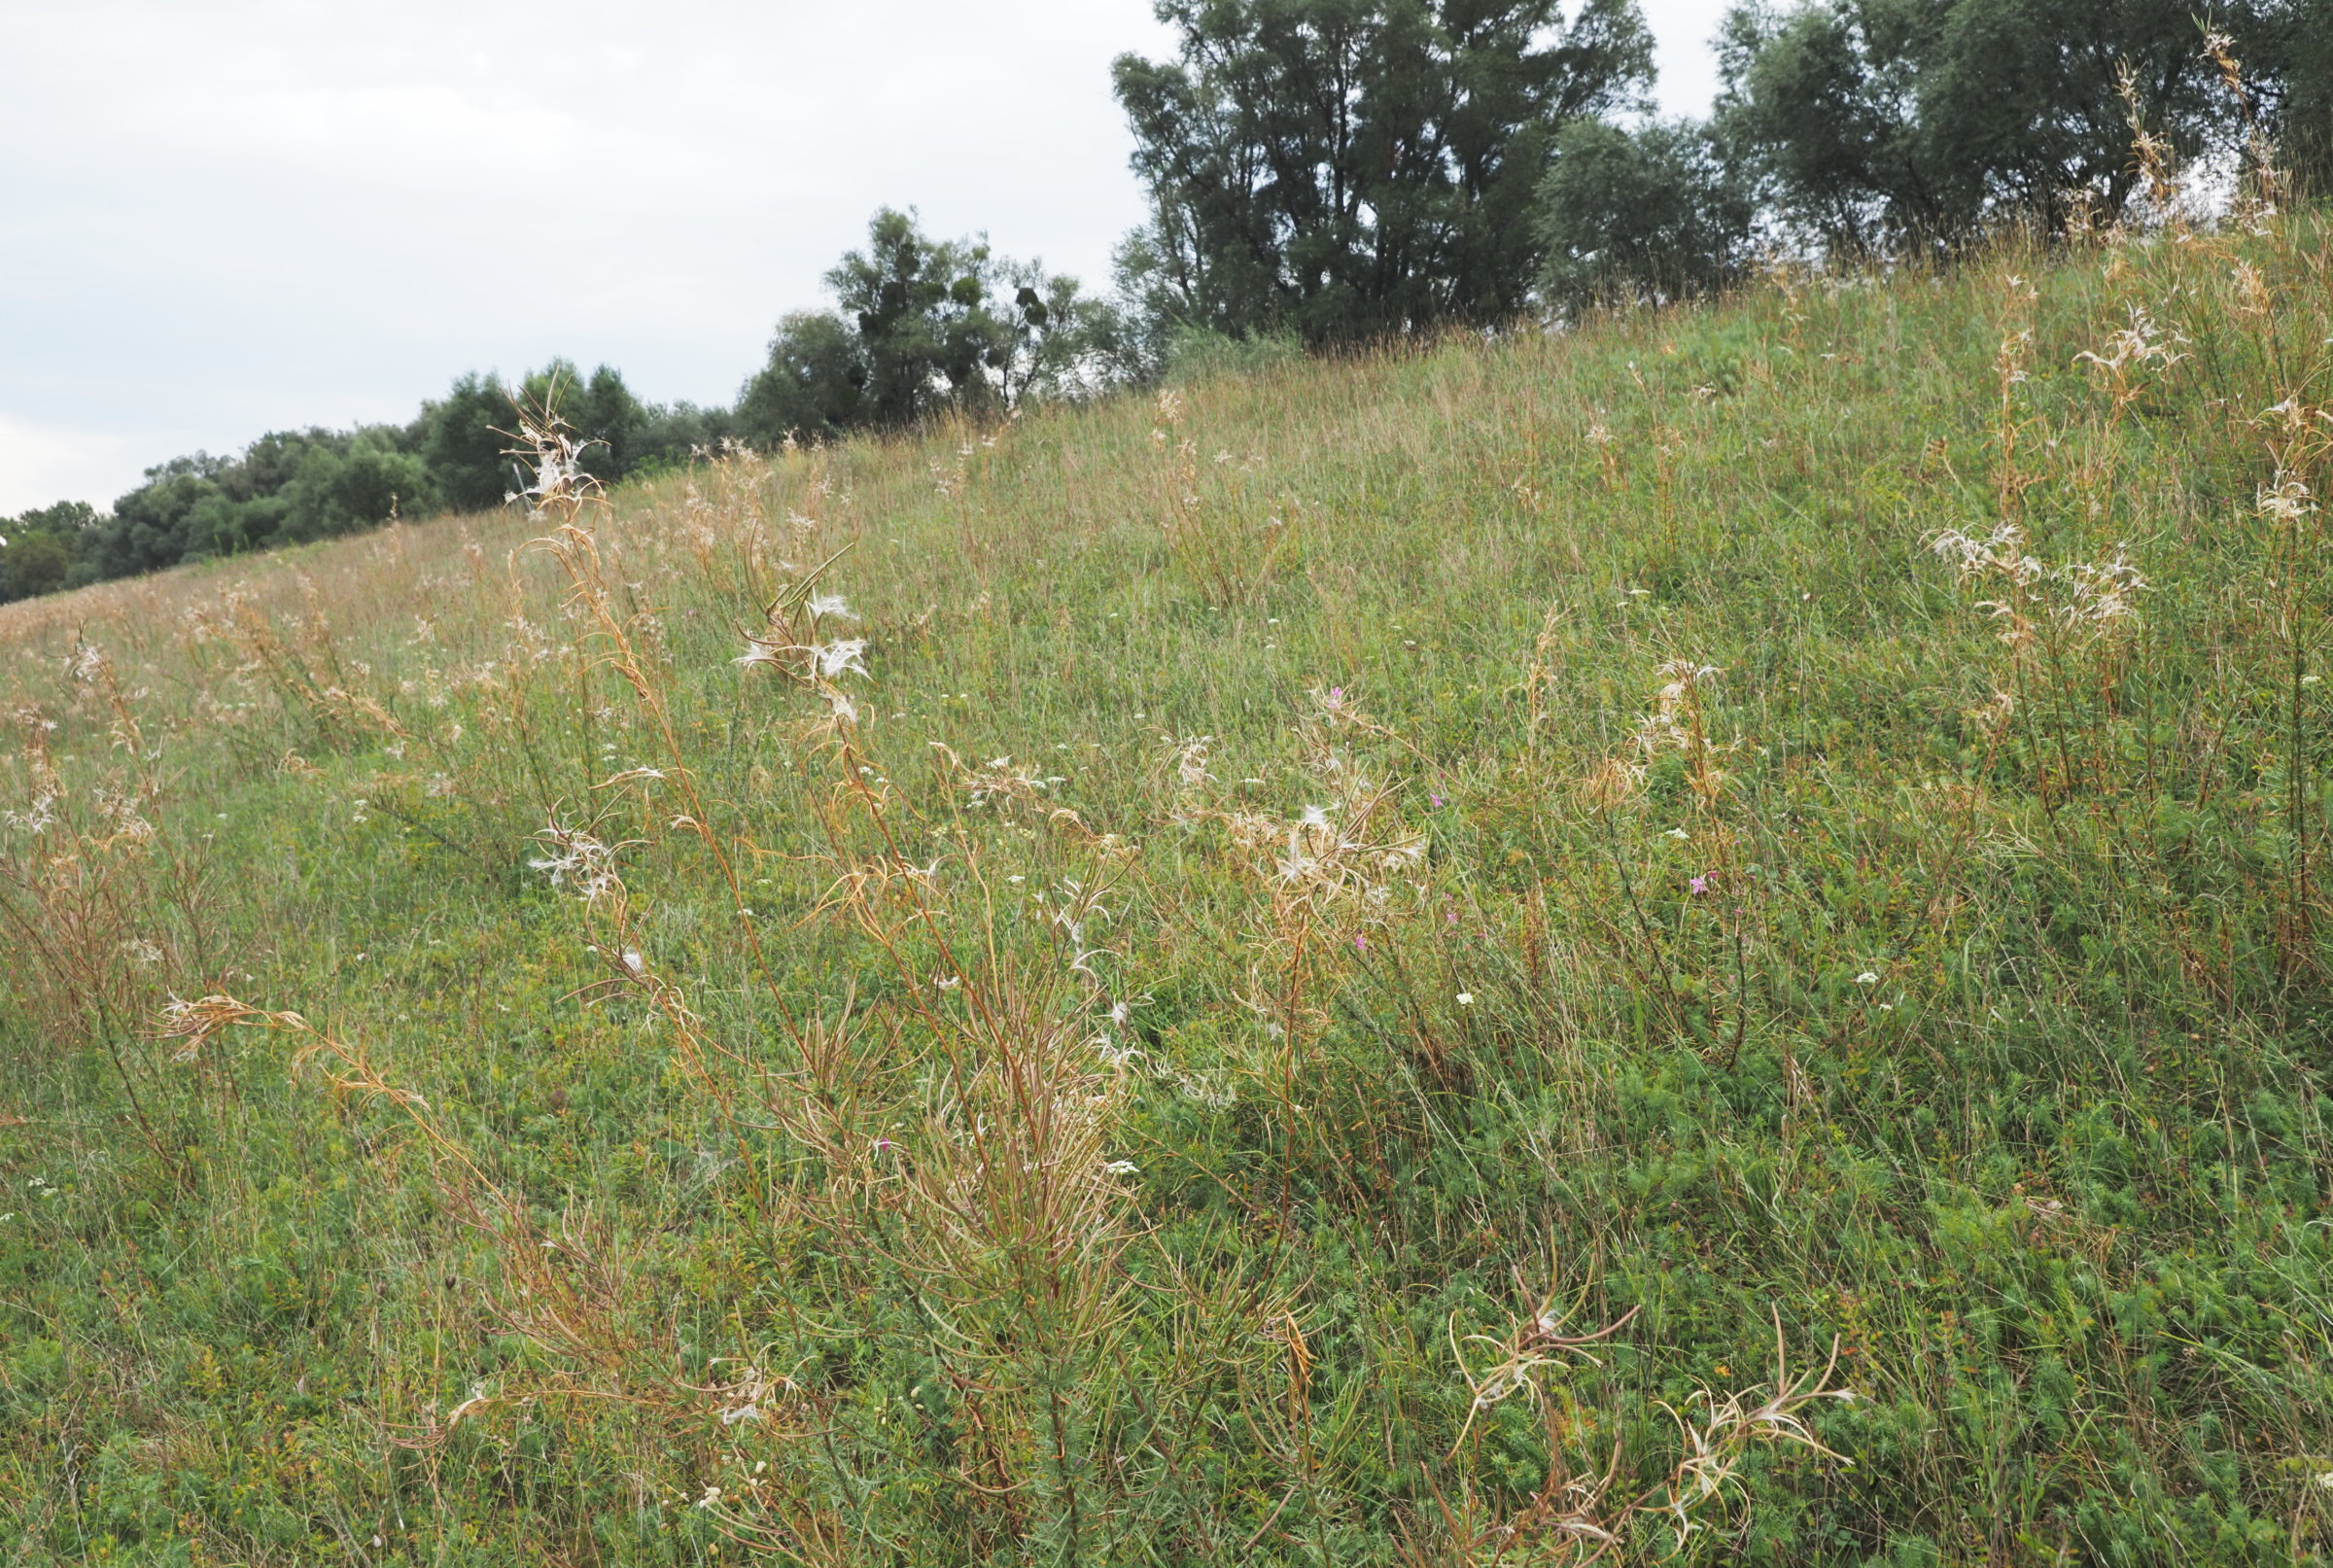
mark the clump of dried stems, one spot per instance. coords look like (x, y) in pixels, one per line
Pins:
(1223, 551)
(103, 907)
(1589, 1514)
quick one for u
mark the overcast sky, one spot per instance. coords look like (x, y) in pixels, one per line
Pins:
(223, 217)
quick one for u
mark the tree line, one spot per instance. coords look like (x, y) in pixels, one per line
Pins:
(1327, 172)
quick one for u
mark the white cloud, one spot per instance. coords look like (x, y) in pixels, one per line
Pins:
(1683, 31)
(40, 465)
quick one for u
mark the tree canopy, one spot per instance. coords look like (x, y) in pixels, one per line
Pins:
(38, 548)
(921, 325)
(1876, 124)
(1661, 212)
(1345, 168)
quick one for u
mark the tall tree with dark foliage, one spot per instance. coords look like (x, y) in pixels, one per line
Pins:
(1882, 124)
(923, 326)
(1346, 168)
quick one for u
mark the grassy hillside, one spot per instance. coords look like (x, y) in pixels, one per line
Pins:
(1790, 840)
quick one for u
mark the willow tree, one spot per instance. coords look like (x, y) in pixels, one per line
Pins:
(1345, 168)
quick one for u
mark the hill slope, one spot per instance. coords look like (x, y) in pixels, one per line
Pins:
(1793, 826)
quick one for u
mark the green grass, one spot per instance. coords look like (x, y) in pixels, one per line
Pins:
(1989, 1048)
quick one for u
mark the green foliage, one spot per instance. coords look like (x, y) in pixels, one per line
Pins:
(345, 486)
(33, 563)
(287, 488)
(149, 527)
(462, 437)
(294, 487)
(67, 519)
(1654, 213)
(923, 326)
(927, 332)
(1344, 169)
(466, 436)
(1883, 125)
(671, 435)
(622, 436)
(37, 549)
(814, 386)
(2292, 50)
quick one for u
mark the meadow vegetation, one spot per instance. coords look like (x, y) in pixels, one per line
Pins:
(1703, 938)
